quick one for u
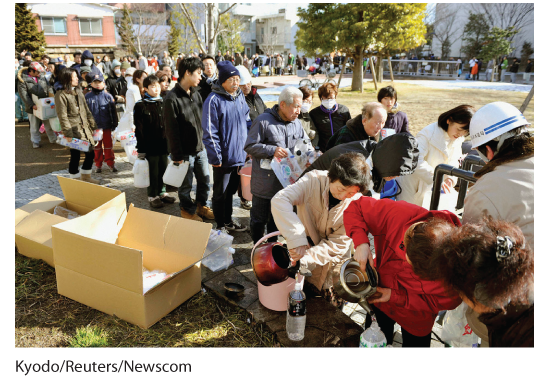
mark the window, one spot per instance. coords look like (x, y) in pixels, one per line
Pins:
(274, 30)
(54, 25)
(90, 26)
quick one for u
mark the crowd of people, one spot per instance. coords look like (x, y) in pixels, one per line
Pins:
(211, 115)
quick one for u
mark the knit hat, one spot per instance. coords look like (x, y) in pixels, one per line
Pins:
(85, 69)
(125, 65)
(226, 70)
(93, 77)
(115, 63)
(28, 54)
(245, 75)
(130, 71)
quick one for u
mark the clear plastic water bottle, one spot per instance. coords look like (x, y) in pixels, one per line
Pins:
(301, 157)
(296, 313)
(373, 336)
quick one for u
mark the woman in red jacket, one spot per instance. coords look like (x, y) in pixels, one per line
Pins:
(402, 296)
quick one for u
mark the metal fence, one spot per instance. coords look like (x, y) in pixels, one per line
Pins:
(404, 67)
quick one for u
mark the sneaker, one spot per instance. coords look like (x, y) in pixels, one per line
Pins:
(235, 226)
(98, 170)
(223, 229)
(189, 216)
(113, 169)
(204, 212)
(156, 203)
(245, 204)
(35, 145)
(168, 199)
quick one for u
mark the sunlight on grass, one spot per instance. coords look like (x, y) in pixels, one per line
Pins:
(90, 336)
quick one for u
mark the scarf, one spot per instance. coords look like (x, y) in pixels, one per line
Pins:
(148, 98)
(330, 112)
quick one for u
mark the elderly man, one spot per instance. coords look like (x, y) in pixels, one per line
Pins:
(225, 123)
(367, 125)
(272, 132)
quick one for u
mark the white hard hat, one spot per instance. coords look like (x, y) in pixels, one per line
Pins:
(244, 74)
(493, 120)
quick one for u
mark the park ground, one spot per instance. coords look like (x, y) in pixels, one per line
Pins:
(45, 319)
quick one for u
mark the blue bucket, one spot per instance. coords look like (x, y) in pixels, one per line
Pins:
(390, 190)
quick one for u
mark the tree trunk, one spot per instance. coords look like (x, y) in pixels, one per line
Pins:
(211, 8)
(527, 99)
(494, 69)
(391, 71)
(379, 69)
(357, 79)
(373, 73)
(342, 71)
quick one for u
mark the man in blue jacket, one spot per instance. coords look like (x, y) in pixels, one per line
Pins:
(225, 124)
(273, 131)
(87, 60)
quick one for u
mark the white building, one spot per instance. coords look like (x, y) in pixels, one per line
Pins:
(452, 17)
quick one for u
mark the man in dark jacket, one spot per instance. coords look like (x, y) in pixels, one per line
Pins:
(33, 82)
(394, 156)
(272, 132)
(219, 57)
(182, 117)
(225, 123)
(513, 69)
(87, 60)
(365, 126)
(208, 76)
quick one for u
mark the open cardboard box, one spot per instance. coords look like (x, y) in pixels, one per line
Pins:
(34, 220)
(99, 259)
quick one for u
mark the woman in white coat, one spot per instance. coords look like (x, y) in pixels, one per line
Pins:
(440, 142)
(134, 78)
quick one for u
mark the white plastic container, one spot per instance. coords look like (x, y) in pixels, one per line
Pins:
(98, 134)
(141, 173)
(55, 124)
(287, 169)
(373, 336)
(74, 144)
(175, 173)
(45, 107)
(129, 142)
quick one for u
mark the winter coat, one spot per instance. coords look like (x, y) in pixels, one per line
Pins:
(182, 118)
(309, 128)
(515, 328)
(238, 60)
(327, 124)
(110, 85)
(150, 128)
(28, 87)
(268, 132)
(313, 219)
(103, 108)
(529, 67)
(414, 302)
(255, 103)
(435, 147)
(74, 115)
(142, 63)
(278, 62)
(396, 155)
(132, 96)
(505, 190)
(397, 121)
(94, 70)
(121, 87)
(225, 124)
(205, 86)
(514, 67)
(353, 131)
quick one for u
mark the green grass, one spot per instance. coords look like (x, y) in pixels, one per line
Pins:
(90, 336)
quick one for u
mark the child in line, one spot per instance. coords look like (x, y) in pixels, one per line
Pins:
(151, 140)
(103, 107)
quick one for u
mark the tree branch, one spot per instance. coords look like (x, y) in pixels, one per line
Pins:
(188, 16)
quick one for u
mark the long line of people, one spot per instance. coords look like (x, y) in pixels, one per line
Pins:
(213, 116)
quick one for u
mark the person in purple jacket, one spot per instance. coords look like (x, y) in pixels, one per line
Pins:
(397, 119)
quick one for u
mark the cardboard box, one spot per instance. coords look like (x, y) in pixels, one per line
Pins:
(34, 220)
(45, 107)
(99, 260)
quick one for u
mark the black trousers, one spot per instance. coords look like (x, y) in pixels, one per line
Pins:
(75, 160)
(387, 325)
(260, 217)
(157, 167)
(226, 182)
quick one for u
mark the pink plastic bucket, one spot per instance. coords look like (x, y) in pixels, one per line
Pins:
(275, 296)
(246, 175)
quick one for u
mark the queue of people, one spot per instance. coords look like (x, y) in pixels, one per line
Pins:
(427, 261)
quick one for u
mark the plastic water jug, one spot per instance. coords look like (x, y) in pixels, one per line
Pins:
(129, 142)
(175, 173)
(141, 173)
(75, 143)
(373, 336)
(98, 134)
(55, 124)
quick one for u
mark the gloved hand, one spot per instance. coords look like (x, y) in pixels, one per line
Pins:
(141, 155)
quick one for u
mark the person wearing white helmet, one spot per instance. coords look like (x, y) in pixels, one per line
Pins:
(506, 184)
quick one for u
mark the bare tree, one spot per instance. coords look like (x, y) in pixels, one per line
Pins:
(150, 28)
(270, 38)
(446, 30)
(213, 21)
(505, 15)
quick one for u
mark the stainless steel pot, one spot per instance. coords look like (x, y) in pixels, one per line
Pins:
(354, 285)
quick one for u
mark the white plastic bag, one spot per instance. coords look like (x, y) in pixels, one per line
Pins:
(219, 253)
(456, 330)
(287, 169)
(64, 212)
(152, 278)
(129, 142)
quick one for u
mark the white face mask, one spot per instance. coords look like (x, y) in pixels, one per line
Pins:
(305, 107)
(128, 79)
(117, 71)
(88, 62)
(329, 103)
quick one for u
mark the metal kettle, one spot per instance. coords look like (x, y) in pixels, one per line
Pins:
(354, 285)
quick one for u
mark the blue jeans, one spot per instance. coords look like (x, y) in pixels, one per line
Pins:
(198, 165)
(260, 217)
(20, 113)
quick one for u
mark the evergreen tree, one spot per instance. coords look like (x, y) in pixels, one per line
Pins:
(27, 36)
(176, 44)
(126, 30)
(497, 44)
(475, 32)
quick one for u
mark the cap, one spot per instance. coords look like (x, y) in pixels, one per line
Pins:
(125, 65)
(130, 71)
(91, 77)
(36, 67)
(244, 74)
(85, 69)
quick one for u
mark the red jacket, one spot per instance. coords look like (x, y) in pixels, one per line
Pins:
(414, 303)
